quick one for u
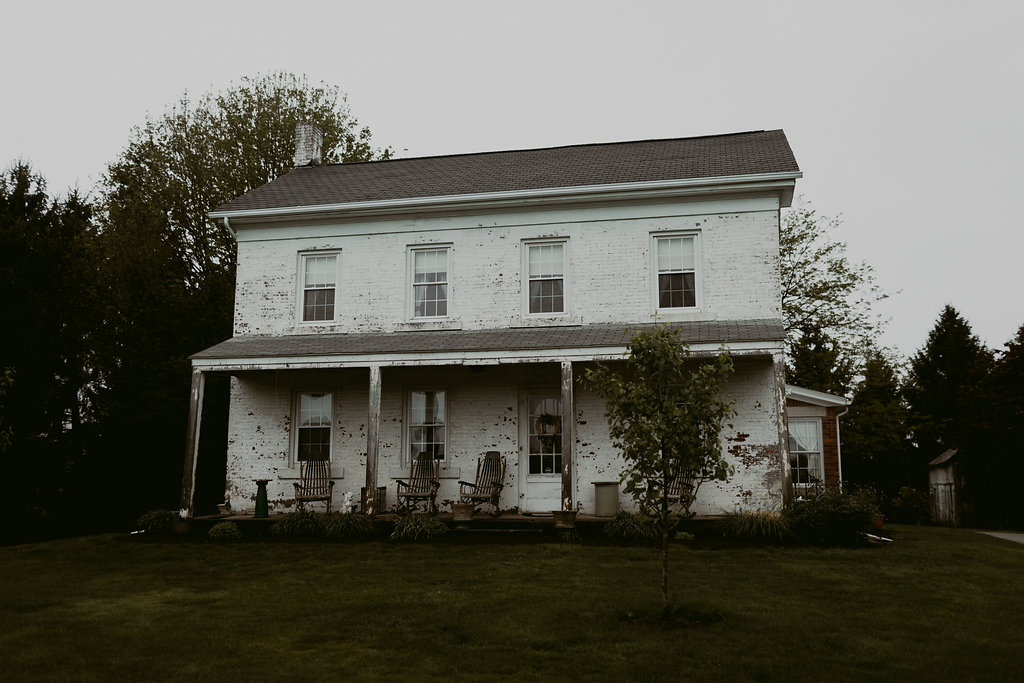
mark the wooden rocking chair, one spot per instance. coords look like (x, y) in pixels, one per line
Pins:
(422, 485)
(680, 492)
(314, 483)
(490, 479)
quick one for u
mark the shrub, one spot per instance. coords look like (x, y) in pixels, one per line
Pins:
(156, 522)
(410, 528)
(348, 525)
(910, 506)
(756, 525)
(224, 531)
(836, 518)
(632, 526)
(299, 524)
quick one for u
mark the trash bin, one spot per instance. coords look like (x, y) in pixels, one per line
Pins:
(606, 498)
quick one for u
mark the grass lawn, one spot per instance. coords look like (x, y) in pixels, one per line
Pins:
(938, 604)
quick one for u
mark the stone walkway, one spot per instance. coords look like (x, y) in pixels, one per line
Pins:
(1005, 535)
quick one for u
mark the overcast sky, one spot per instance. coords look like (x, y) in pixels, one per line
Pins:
(906, 117)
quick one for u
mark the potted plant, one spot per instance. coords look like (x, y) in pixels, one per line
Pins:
(461, 512)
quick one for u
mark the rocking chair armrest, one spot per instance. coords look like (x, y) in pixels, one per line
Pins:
(466, 483)
(401, 483)
(435, 483)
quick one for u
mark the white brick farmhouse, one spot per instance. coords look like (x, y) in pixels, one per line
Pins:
(445, 304)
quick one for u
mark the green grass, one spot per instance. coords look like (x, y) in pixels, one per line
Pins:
(936, 605)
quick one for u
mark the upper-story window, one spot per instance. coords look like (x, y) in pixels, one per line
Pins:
(430, 282)
(319, 285)
(545, 277)
(676, 275)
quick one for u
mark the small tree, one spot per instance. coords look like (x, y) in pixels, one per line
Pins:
(666, 414)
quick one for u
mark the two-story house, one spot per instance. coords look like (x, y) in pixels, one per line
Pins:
(446, 304)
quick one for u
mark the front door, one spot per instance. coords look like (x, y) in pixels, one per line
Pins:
(541, 455)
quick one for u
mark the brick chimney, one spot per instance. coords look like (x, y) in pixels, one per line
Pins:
(308, 141)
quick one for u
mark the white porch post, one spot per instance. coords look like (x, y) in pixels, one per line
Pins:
(568, 437)
(195, 417)
(372, 441)
(780, 404)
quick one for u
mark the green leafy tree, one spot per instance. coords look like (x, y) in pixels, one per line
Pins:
(943, 389)
(169, 270)
(665, 413)
(823, 291)
(874, 432)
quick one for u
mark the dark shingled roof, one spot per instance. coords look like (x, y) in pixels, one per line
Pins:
(736, 154)
(517, 338)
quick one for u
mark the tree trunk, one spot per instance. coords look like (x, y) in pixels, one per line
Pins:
(666, 611)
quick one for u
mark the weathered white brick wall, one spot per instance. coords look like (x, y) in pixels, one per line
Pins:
(484, 411)
(609, 278)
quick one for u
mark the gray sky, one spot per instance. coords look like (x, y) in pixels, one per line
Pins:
(906, 117)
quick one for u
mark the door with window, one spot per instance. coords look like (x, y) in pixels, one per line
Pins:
(541, 455)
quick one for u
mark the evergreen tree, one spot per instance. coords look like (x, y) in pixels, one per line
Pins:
(817, 362)
(943, 389)
(874, 431)
(996, 474)
(48, 298)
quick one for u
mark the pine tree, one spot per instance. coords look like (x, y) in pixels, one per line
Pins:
(943, 389)
(874, 432)
(817, 362)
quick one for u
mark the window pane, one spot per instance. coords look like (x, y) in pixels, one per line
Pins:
(546, 260)
(676, 290)
(430, 266)
(320, 271)
(803, 435)
(675, 254)
(426, 428)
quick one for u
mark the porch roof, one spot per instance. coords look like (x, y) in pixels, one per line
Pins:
(516, 344)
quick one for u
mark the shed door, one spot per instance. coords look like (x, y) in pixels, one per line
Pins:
(541, 455)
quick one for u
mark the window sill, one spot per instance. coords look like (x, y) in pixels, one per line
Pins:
(420, 325)
(561, 320)
(670, 314)
(288, 473)
(403, 473)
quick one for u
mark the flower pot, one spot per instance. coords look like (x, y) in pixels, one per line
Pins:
(564, 519)
(462, 512)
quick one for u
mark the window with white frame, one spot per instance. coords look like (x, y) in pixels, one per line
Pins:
(427, 424)
(545, 277)
(676, 262)
(319, 286)
(545, 431)
(430, 282)
(313, 434)
(805, 461)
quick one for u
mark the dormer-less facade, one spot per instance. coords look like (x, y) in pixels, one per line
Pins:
(447, 304)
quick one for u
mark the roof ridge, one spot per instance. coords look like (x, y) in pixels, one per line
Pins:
(544, 149)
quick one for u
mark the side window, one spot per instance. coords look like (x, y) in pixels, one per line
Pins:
(319, 282)
(545, 278)
(313, 433)
(805, 461)
(675, 261)
(427, 424)
(429, 279)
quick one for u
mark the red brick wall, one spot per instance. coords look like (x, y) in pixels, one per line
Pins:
(829, 441)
